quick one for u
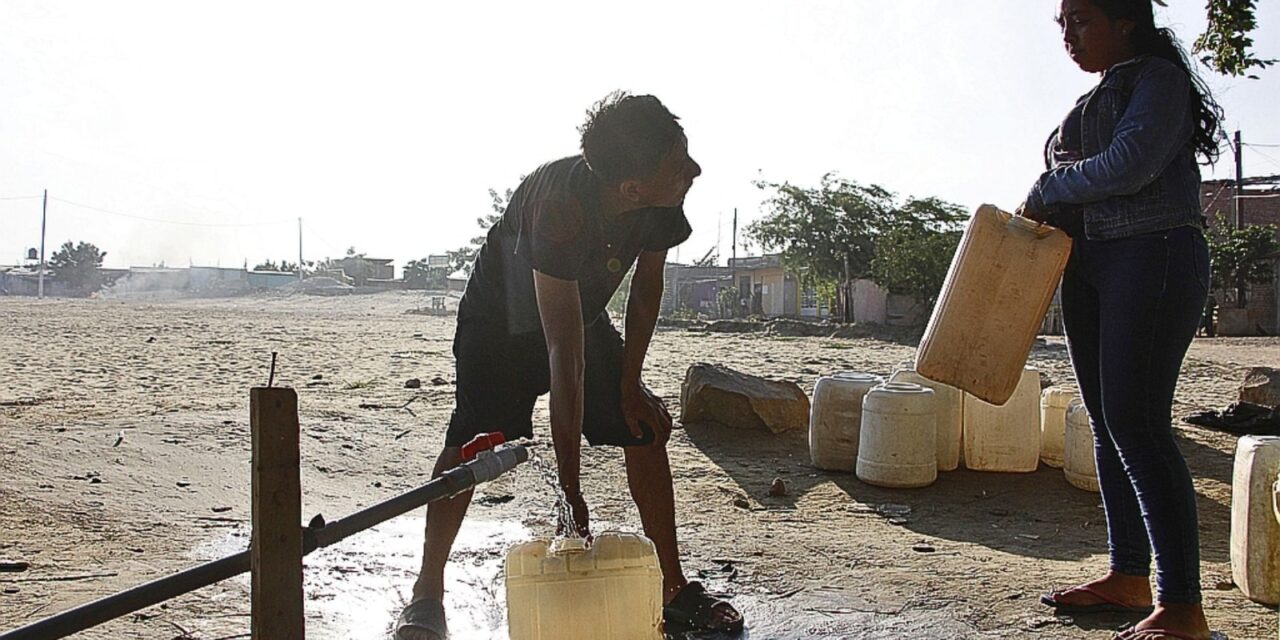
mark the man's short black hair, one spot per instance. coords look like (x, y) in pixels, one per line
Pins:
(626, 136)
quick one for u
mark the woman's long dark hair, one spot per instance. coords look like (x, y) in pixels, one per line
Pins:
(1149, 39)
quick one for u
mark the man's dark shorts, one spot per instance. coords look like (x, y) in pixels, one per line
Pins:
(500, 376)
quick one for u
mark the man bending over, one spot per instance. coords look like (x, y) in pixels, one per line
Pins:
(533, 320)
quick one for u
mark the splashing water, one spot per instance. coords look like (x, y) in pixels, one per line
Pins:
(551, 477)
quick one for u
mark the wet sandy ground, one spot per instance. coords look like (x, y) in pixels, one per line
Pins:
(964, 558)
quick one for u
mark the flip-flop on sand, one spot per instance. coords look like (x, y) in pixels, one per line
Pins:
(1108, 604)
(694, 608)
(1129, 633)
(422, 620)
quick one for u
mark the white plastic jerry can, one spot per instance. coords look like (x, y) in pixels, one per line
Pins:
(1053, 424)
(1004, 438)
(563, 589)
(997, 291)
(899, 429)
(1255, 533)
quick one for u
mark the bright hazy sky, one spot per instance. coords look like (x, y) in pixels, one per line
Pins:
(382, 124)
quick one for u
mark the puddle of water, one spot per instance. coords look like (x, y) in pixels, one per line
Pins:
(358, 586)
(355, 590)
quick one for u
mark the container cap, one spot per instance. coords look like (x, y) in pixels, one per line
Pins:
(902, 387)
(856, 376)
(568, 545)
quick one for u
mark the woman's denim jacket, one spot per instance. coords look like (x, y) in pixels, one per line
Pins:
(1139, 172)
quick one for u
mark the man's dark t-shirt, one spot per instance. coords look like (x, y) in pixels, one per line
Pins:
(554, 225)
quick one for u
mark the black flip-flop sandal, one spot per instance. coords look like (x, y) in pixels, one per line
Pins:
(422, 620)
(695, 609)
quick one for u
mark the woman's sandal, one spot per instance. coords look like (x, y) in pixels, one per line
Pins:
(1108, 604)
(696, 609)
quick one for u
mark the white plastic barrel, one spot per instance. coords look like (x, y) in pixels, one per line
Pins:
(948, 403)
(565, 590)
(897, 446)
(1053, 424)
(1004, 438)
(1079, 463)
(992, 303)
(1255, 533)
(835, 417)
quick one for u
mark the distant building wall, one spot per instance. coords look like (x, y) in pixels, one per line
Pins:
(869, 302)
(206, 277)
(271, 279)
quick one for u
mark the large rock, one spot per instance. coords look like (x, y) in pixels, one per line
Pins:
(1261, 386)
(735, 326)
(797, 328)
(712, 393)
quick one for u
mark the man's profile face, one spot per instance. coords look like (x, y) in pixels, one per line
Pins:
(669, 183)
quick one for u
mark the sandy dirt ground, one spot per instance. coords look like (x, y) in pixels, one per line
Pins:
(124, 456)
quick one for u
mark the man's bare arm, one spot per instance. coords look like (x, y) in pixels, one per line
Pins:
(560, 307)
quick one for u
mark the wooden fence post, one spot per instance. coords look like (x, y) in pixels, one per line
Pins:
(276, 547)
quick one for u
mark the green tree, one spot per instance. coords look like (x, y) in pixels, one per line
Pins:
(827, 233)
(463, 258)
(914, 253)
(1226, 44)
(843, 230)
(284, 266)
(1241, 257)
(78, 265)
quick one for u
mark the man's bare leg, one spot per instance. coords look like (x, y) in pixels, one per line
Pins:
(444, 518)
(649, 477)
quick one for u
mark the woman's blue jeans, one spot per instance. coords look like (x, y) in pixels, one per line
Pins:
(1131, 308)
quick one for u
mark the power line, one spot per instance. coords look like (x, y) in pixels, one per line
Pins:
(162, 221)
(1266, 156)
(1257, 144)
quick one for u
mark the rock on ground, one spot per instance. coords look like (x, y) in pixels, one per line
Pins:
(713, 393)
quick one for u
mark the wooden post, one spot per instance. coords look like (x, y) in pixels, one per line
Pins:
(276, 547)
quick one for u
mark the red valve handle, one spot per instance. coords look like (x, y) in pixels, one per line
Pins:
(482, 442)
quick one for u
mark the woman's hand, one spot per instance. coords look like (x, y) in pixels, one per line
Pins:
(1039, 215)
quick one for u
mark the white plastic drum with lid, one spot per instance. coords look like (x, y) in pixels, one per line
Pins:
(898, 445)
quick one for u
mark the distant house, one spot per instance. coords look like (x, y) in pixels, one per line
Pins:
(25, 281)
(767, 287)
(693, 288)
(361, 269)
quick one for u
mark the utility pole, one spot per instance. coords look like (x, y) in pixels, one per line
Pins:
(1238, 210)
(44, 217)
(733, 261)
(299, 248)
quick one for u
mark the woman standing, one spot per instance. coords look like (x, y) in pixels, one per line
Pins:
(1124, 181)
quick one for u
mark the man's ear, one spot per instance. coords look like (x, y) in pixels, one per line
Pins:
(630, 190)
